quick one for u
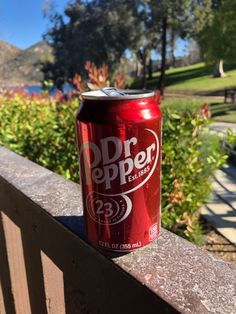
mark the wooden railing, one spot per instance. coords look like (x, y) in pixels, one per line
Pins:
(46, 266)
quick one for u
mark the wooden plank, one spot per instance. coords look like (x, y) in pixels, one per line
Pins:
(167, 276)
(6, 291)
(76, 301)
(2, 306)
(16, 265)
(101, 282)
(54, 286)
(34, 272)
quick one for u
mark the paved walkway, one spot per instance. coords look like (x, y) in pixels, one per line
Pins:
(220, 211)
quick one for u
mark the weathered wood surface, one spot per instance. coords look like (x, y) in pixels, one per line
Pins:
(67, 275)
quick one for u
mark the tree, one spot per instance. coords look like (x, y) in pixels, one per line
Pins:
(183, 17)
(172, 46)
(97, 30)
(194, 53)
(218, 38)
(161, 13)
(148, 39)
(101, 31)
(142, 56)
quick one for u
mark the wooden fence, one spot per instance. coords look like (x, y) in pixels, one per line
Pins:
(46, 266)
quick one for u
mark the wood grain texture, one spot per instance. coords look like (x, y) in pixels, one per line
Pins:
(34, 272)
(2, 306)
(54, 286)
(17, 266)
(6, 290)
(171, 275)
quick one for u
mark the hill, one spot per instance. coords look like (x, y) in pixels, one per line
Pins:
(7, 52)
(19, 66)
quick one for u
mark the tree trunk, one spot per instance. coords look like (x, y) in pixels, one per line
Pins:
(144, 62)
(150, 69)
(136, 68)
(163, 56)
(172, 47)
(219, 69)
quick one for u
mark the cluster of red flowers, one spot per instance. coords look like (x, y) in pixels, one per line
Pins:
(22, 92)
(12, 92)
(205, 111)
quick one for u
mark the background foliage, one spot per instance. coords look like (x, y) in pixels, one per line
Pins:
(99, 31)
(190, 156)
(217, 39)
(230, 145)
(42, 129)
(104, 31)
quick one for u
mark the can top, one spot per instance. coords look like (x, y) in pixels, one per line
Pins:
(117, 94)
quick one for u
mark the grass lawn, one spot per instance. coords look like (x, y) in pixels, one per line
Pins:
(221, 112)
(195, 78)
(198, 78)
(229, 116)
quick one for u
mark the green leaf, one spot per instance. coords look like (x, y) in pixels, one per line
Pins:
(175, 116)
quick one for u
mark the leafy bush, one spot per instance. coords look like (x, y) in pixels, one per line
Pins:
(230, 145)
(190, 156)
(42, 129)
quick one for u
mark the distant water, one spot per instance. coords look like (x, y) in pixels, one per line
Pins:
(34, 89)
(37, 89)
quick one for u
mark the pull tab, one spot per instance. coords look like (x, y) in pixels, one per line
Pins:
(112, 91)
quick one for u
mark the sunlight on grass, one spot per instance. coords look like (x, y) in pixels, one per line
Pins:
(206, 82)
(197, 77)
(220, 111)
(229, 116)
(187, 68)
(180, 69)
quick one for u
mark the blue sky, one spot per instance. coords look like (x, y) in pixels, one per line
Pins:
(22, 23)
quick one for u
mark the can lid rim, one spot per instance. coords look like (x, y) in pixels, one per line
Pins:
(128, 94)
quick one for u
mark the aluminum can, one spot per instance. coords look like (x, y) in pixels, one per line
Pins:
(119, 149)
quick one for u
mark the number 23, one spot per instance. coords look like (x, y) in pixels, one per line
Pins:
(105, 208)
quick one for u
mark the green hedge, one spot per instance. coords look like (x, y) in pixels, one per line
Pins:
(43, 130)
(190, 156)
(230, 145)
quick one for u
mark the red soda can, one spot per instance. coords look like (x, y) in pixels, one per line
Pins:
(119, 149)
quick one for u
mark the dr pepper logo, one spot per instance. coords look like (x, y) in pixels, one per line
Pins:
(112, 160)
(117, 168)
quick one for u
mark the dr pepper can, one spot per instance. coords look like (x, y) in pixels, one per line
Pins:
(119, 149)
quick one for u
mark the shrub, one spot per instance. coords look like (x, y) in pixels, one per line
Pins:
(42, 129)
(190, 156)
(230, 145)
